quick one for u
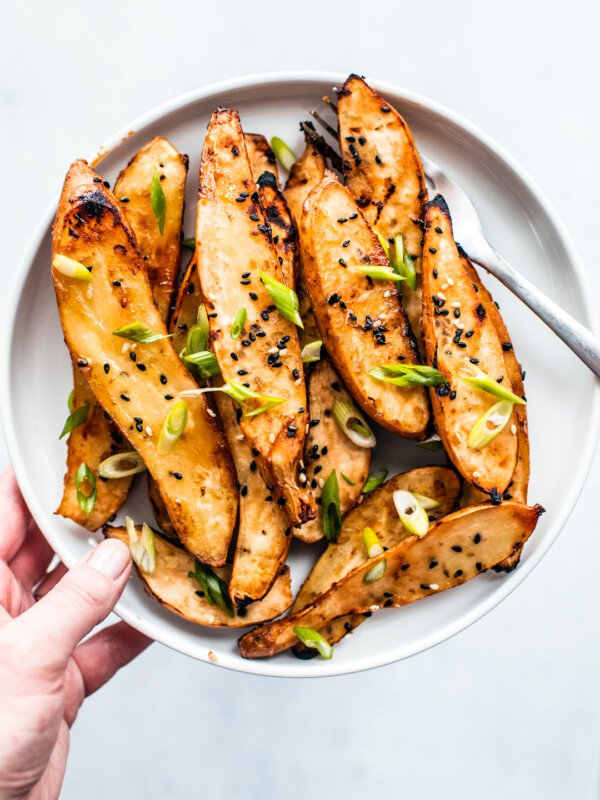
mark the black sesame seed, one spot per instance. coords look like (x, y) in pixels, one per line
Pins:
(425, 586)
(468, 334)
(168, 397)
(106, 183)
(474, 360)
(477, 538)
(253, 466)
(435, 273)
(438, 230)
(404, 567)
(163, 379)
(234, 356)
(246, 282)
(242, 372)
(342, 262)
(506, 346)
(141, 367)
(254, 217)
(432, 250)
(261, 334)
(124, 397)
(246, 342)
(457, 548)
(385, 109)
(106, 368)
(433, 564)
(346, 243)
(453, 395)
(139, 427)
(458, 573)
(244, 491)
(116, 283)
(478, 566)
(177, 475)
(253, 295)
(97, 180)
(314, 422)
(457, 313)
(296, 373)
(264, 315)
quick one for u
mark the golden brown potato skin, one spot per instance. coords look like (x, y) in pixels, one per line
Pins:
(97, 439)
(261, 156)
(161, 252)
(461, 545)
(177, 592)
(90, 227)
(348, 308)
(234, 241)
(341, 454)
(384, 174)
(491, 468)
(378, 512)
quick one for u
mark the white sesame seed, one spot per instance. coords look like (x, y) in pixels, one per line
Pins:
(283, 352)
(125, 347)
(445, 286)
(240, 437)
(321, 483)
(302, 478)
(211, 413)
(148, 430)
(450, 281)
(302, 465)
(513, 429)
(271, 437)
(455, 305)
(298, 382)
(441, 296)
(382, 316)
(386, 293)
(307, 427)
(373, 608)
(434, 586)
(273, 350)
(460, 325)
(476, 474)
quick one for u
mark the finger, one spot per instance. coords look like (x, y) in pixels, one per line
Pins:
(12, 599)
(15, 515)
(31, 562)
(50, 581)
(44, 637)
(99, 657)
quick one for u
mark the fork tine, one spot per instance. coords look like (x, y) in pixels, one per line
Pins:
(308, 129)
(331, 131)
(330, 103)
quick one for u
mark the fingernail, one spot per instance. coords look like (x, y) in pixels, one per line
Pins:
(110, 557)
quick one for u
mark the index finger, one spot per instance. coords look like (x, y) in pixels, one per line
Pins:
(15, 516)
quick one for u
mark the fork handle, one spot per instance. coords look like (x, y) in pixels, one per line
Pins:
(578, 338)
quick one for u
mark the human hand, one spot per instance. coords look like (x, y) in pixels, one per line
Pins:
(45, 673)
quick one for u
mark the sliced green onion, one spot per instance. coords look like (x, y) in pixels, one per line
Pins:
(432, 442)
(380, 273)
(214, 588)
(376, 573)
(240, 394)
(75, 419)
(330, 499)
(352, 422)
(311, 638)
(407, 375)
(347, 479)
(158, 201)
(238, 323)
(189, 244)
(143, 548)
(473, 376)
(372, 544)
(205, 363)
(86, 502)
(412, 514)
(202, 321)
(172, 428)
(376, 478)
(285, 299)
(136, 332)
(71, 268)
(285, 155)
(403, 263)
(312, 351)
(428, 503)
(121, 465)
(385, 245)
(489, 425)
(70, 400)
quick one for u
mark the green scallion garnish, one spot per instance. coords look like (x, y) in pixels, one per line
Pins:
(172, 428)
(86, 502)
(205, 363)
(285, 155)
(136, 332)
(71, 268)
(241, 394)
(238, 323)
(428, 503)
(412, 514)
(347, 479)
(311, 638)
(473, 376)
(330, 500)
(403, 263)
(214, 588)
(489, 425)
(75, 419)
(143, 548)
(380, 273)
(353, 423)
(285, 299)
(432, 443)
(70, 400)
(312, 351)
(158, 202)
(189, 244)
(121, 465)
(407, 375)
(375, 478)
(373, 548)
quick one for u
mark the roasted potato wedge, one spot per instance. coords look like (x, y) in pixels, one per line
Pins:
(93, 441)
(161, 252)
(129, 380)
(384, 174)
(455, 334)
(279, 217)
(361, 321)
(305, 174)
(378, 512)
(233, 243)
(459, 547)
(261, 156)
(171, 585)
(327, 447)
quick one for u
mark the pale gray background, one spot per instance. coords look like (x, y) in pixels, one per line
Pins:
(509, 708)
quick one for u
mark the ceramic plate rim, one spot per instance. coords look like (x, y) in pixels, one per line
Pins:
(363, 661)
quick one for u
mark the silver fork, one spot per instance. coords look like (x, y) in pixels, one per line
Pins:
(468, 231)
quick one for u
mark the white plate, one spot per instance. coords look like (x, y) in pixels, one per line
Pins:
(563, 396)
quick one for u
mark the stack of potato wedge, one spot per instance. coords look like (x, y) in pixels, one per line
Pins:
(310, 320)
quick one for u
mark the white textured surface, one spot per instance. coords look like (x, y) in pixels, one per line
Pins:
(510, 707)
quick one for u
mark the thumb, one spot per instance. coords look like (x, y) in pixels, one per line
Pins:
(51, 629)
